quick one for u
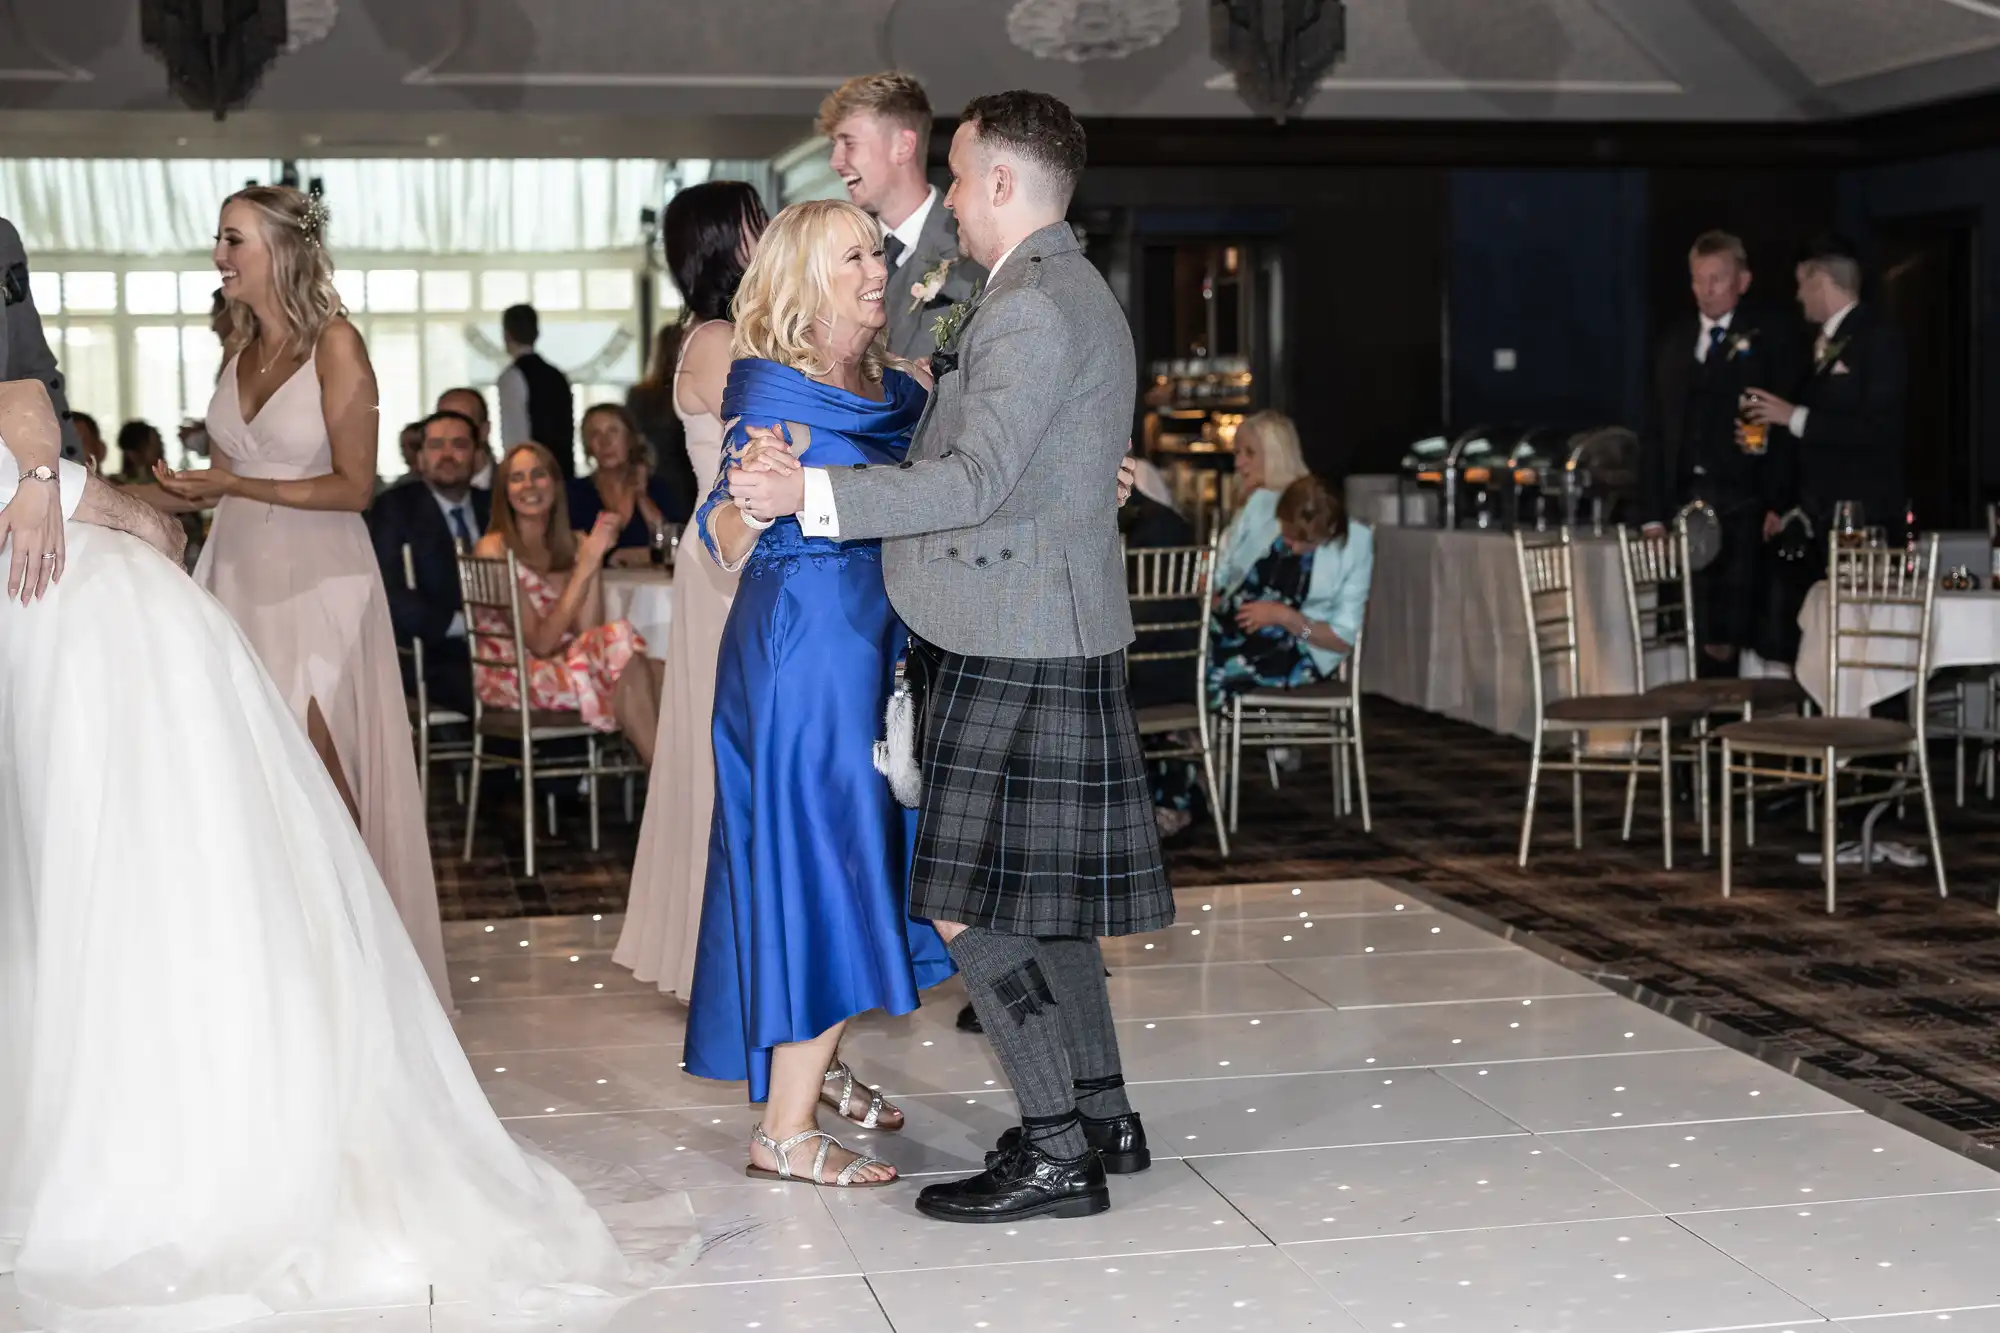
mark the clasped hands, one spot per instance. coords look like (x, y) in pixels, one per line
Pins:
(768, 482)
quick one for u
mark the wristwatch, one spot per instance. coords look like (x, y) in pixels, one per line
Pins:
(42, 473)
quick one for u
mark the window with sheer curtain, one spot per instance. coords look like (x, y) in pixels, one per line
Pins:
(428, 256)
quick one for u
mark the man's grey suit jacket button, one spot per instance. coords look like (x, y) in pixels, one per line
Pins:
(906, 465)
(1006, 555)
(860, 467)
(951, 552)
(980, 561)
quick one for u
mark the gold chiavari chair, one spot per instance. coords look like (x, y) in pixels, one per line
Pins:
(1327, 713)
(1655, 565)
(1171, 578)
(1872, 593)
(1548, 600)
(494, 585)
(424, 718)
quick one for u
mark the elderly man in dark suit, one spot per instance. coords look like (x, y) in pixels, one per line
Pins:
(435, 520)
(879, 126)
(24, 349)
(1705, 361)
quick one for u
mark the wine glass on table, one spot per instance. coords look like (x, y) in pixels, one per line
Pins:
(1850, 524)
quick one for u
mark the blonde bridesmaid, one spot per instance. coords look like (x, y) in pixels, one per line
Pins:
(293, 427)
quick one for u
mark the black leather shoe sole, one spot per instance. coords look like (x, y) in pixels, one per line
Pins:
(1068, 1205)
(968, 1020)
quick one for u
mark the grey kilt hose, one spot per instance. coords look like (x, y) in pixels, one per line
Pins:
(1037, 818)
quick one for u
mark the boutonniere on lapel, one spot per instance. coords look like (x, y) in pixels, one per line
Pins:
(925, 289)
(946, 331)
(1741, 345)
(1831, 356)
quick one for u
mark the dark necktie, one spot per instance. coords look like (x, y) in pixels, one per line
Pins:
(460, 527)
(892, 249)
(1715, 337)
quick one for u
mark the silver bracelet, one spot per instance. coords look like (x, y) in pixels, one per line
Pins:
(1304, 632)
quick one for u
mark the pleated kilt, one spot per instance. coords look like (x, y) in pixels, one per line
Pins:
(1037, 818)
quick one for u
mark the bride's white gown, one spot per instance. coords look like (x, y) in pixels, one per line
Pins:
(226, 1085)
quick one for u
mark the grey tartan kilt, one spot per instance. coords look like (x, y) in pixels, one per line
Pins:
(1037, 817)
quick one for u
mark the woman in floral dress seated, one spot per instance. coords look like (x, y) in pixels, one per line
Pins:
(577, 662)
(1298, 611)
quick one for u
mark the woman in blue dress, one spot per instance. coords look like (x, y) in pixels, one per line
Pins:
(804, 919)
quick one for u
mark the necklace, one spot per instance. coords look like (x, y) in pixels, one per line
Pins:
(266, 362)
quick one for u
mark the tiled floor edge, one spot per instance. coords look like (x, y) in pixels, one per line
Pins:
(1688, 1016)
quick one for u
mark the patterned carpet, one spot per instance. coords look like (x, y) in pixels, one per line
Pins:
(1897, 994)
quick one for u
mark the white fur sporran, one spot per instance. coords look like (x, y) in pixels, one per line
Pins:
(896, 756)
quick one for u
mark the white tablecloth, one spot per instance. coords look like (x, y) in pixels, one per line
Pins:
(1965, 631)
(1446, 632)
(644, 597)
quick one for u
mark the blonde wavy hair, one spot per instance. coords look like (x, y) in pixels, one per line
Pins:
(790, 282)
(294, 231)
(1284, 459)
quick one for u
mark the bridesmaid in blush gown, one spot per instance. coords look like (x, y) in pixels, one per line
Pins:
(293, 438)
(711, 232)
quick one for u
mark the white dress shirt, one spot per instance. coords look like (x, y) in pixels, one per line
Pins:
(482, 480)
(911, 228)
(513, 391)
(817, 516)
(1707, 338)
(1797, 425)
(456, 630)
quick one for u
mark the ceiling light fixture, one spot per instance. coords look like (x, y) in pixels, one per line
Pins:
(1278, 50)
(1077, 31)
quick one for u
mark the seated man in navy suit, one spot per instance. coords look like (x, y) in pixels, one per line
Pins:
(435, 519)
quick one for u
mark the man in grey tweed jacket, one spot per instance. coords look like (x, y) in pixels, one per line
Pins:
(1036, 834)
(24, 348)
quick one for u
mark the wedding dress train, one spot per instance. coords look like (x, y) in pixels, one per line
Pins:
(227, 1087)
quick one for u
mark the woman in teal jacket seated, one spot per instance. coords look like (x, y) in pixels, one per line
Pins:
(1298, 611)
(1268, 459)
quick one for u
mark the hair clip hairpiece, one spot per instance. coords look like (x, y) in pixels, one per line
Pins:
(313, 220)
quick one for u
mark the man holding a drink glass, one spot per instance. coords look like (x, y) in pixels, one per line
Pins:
(1838, 440)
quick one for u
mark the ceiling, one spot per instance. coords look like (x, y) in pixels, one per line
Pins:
(741, 78)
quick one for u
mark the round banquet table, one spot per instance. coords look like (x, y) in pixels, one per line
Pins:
(1965, 631)
(644, 597)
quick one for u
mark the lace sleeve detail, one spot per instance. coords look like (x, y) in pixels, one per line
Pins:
(718, 493)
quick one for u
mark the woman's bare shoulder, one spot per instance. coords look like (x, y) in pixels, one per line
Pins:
(341, 339)
(710, 340)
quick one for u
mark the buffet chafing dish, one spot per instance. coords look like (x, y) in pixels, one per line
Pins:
(1439, 464)
(1600, 471)
(1488, 476)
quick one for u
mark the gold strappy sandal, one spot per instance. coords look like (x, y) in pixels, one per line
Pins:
(782, 1152)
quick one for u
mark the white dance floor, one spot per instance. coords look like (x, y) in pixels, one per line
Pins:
(1366, 1115)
